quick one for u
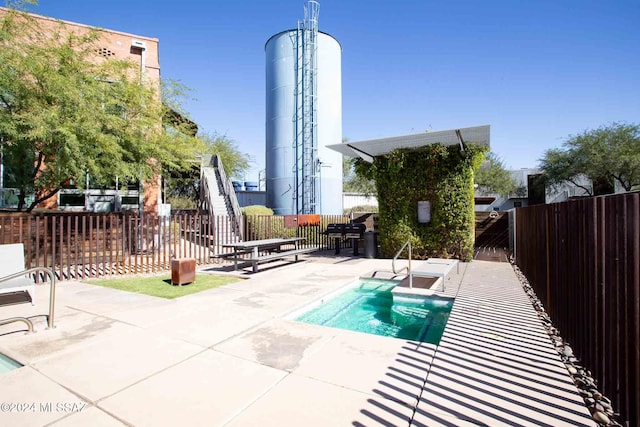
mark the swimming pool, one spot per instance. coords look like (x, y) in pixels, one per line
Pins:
(8, 364)
(368, 306)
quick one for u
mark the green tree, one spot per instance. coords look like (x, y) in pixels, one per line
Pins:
(183, 184)
(494, 178)
(64, 114)
(559, 166)
(20, 4)
(234, 161)
(354, 182)
(606, 154)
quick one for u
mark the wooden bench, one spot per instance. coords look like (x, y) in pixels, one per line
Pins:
(226, 255)
(15, 278)
(275, 247)
(278, 255)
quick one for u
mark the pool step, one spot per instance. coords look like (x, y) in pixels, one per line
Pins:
(403, 289)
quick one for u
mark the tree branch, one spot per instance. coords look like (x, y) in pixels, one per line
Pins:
(586, 189)
(627, 185)
(36, 168)
(46, 196)
(5, 102)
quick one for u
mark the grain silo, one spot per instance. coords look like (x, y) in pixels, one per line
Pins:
(303, 117)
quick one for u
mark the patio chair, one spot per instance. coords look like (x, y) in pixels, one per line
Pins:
(13, 275)
(15, 278)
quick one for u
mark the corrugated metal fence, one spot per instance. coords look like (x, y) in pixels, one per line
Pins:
(583, 259)
(82, 245)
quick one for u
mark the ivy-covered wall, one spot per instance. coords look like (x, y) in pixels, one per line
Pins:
(442, 175)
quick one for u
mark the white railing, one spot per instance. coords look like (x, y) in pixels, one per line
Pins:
(229, 194)
(393, 261)
(52, 296)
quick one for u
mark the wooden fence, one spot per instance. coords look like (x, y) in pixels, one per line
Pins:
(88, 245)
(492, 229)
(582, 258)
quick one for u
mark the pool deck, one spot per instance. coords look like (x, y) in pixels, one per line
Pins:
(226, 357)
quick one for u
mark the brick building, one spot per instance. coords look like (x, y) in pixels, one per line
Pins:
(146, 196)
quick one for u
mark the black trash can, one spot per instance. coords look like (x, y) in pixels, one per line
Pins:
(371, 244)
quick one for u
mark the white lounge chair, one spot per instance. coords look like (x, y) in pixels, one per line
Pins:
(434, 267)
(15, 278)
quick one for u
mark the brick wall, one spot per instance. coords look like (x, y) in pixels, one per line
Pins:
(116, 45)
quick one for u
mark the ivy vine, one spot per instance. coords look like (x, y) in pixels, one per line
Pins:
(442, 175)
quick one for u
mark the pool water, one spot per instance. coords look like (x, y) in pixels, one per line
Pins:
(7, 364)
(369, 307)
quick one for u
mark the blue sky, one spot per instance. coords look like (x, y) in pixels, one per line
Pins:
(536, 71)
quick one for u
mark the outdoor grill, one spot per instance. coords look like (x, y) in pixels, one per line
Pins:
(335, 230)
(345, 231)
(354, 231)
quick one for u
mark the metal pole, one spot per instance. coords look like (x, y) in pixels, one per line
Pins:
(409, 269)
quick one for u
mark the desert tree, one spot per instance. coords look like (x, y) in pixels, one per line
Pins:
(609, 154)
(66, 112)
(493, 177)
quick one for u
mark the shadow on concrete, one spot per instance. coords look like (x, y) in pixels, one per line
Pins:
(495, 365)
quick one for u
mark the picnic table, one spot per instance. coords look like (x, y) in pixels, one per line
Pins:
(276, 249)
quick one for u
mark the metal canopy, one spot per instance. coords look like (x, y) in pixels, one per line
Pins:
(371, 148)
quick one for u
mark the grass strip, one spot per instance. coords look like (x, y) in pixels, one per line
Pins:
(160, 286)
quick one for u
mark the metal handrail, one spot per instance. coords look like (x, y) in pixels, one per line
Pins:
(393, 261)
(230, 195)
(18, 319)
(205, 199)
(52, 296)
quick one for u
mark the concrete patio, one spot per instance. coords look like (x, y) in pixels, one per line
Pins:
(228, 357)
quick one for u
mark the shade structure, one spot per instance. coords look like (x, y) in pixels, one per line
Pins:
(371, 148)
